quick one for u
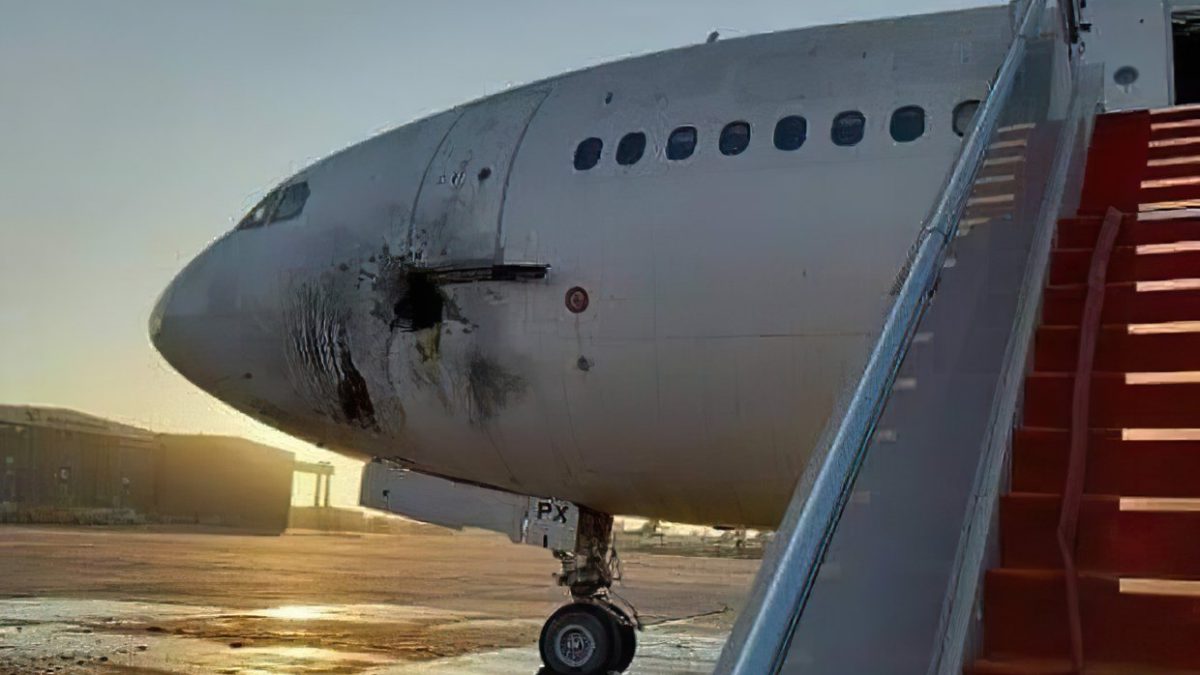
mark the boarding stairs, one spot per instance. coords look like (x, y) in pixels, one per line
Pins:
(969, 510)
(1132, 479)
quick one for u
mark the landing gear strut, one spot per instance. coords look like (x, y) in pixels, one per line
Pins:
(593, 635)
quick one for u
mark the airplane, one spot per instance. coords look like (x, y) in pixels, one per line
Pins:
(638, 288)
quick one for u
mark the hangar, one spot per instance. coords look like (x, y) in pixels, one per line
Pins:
(59, 465)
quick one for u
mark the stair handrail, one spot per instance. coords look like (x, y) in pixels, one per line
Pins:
(1074, 482)
(760, 638)
(1073, 18)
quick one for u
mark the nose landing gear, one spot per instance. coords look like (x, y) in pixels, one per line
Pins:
(593, 635)
(596, 633)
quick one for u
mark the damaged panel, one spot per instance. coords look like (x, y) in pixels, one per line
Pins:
(319, 359)
(456, 220)
(490, 386)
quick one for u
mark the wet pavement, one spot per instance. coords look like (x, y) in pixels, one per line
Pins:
(136, 602)
(62, 635)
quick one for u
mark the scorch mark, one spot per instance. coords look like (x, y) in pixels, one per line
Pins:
(320, 363)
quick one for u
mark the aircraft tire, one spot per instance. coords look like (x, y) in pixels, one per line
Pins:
(580, 639)
(628, 645)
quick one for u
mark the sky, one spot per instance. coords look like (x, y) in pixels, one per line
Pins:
(133, 132)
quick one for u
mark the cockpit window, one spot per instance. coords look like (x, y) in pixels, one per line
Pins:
(291, 202)
(848, 128)
(280, 204)
(261, 213)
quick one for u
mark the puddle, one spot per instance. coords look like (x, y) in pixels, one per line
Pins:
(358, 613)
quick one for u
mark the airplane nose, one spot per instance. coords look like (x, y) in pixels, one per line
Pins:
(218, 324)
(169, 330)
(158, 313)
(187, 325)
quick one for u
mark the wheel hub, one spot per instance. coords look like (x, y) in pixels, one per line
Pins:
(575, 645)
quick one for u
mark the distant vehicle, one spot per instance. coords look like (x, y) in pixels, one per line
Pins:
(633, 289)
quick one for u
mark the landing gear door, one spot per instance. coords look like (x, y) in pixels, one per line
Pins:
(458, 211)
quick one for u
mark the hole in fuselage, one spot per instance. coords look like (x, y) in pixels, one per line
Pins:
(421, 305)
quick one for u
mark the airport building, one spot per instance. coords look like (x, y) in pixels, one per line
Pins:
(64, 466)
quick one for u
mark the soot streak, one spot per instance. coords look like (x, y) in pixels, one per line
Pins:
(490, 386)
(320, 362)
(352, 388)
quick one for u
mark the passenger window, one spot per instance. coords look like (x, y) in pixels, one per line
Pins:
(291, 202)
(848, 128)
(630, 149)
(735, 138)
(791, 132)
(587, 154)
(261, 212)
(964, 115)
(908, 123)
(682, 143)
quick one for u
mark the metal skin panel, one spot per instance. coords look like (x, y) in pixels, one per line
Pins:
(731, 298)
(457, 217)
(442, 502)
(1137, 34)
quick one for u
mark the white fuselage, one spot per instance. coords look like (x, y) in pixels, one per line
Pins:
(730, 298)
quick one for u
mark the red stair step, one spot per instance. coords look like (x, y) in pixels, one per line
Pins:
(1170, 193)
(1070, 266)
(1173, 170)
(1057, 349)
(1026, 614)
(1177, 114)
(1114, 404)
(1063, 305)
(1082, 232)
(1109, 541)
(1027, 617)
(1114, 466)
(1185, 148)
(1170, 133)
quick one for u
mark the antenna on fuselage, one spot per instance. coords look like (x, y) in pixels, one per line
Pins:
(712, 37)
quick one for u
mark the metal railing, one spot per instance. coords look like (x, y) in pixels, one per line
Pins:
(1071, 16)
(760, 639)
(1068, 519)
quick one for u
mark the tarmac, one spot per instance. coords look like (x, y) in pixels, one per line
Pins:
(430, 601)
